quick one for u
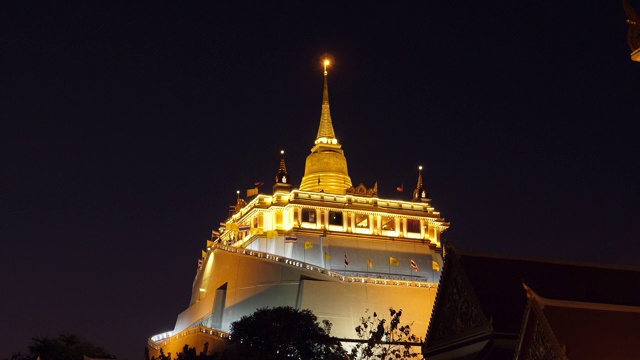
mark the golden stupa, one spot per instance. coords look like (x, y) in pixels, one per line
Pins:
(326, 167)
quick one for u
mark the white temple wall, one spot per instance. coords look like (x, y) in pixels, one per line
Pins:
(253, 283)
(344, 304)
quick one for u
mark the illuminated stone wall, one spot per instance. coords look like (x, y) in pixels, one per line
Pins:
(253, 282)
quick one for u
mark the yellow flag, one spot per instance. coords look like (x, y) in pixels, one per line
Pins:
(393, 261)
(258, 231)
(435, 266)
(204, 254)
(271, 234)
(370, 263)
(251, 192)
(209, 243)
(233, 227)
(327, 256)
(308, 245)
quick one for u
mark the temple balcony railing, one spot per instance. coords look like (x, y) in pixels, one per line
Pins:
(161, 340)
(345, 276)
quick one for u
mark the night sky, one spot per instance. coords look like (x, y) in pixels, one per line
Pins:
(127, 129)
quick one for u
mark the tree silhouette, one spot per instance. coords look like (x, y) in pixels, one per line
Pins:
(284, 333)
(64, 347)
(379, 340)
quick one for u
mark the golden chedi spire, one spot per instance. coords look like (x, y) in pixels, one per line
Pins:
(325, 131)
(326, 166)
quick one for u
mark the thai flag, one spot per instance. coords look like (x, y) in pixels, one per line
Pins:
(290, 239)
(244, 228)
(414, 265)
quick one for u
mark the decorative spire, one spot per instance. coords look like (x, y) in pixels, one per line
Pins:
(419, 177)
(283, 182)
(420, 194)
(326, 135)
(326, 167)
(240, 203)
(282, 176)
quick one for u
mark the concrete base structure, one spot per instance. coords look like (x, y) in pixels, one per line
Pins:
(242, 281)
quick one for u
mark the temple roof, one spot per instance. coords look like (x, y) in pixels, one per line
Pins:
(484, 304)
(591, 331)
(498, 284)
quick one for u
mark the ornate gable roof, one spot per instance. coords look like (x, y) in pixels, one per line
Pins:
(457, 314)
(537, 340)
(493, 284)
(562, 329)
(362, 190)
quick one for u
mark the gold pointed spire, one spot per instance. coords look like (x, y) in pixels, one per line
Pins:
(326, 167)
(420, 194)
(282, 176)
(283, 183)
(326, 135)
(283, 167)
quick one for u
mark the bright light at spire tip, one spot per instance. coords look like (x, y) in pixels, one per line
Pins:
(326, 63)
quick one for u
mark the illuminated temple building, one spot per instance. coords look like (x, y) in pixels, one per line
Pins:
(327, 246)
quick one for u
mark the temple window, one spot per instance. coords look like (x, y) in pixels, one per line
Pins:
(388, 223)
(413, 225)
(335, 218)
(362, 220)
(309, 215)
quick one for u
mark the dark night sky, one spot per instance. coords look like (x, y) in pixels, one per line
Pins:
(126, 131)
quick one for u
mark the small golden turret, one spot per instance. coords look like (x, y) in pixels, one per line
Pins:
(283, 182)
(420, 193)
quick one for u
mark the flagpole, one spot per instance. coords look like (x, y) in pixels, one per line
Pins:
(322, 254)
